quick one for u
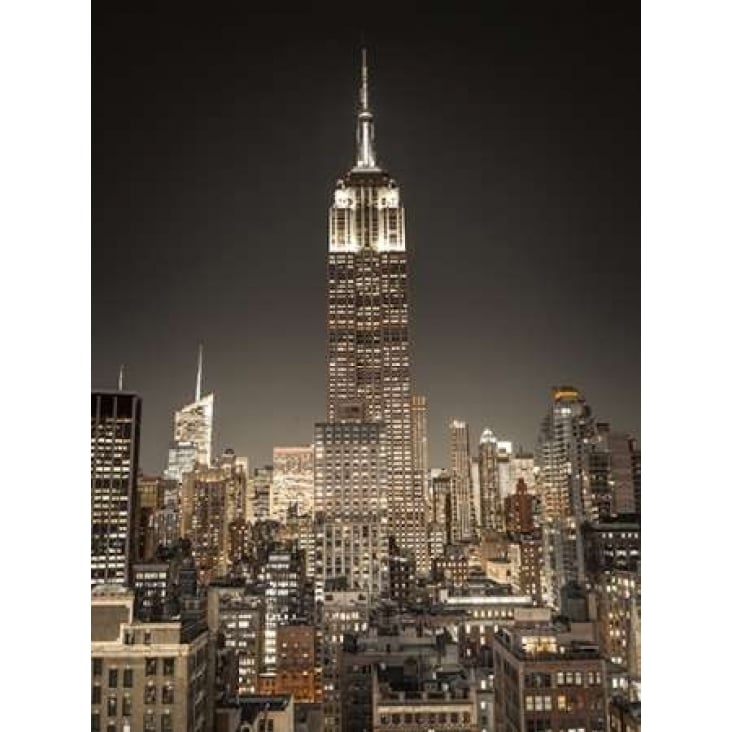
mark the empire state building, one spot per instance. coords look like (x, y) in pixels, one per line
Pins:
(364, 465)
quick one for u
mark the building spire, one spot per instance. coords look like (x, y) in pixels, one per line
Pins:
(366, 157)
(199, 374)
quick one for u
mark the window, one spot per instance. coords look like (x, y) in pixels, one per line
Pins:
(168, 666)
(151, 666)
(96, 723)
(166, 723)
(149, 723)
(127, 706)
(112, 706)
(127, 678)
(97, 666)
(96, 694)
(112, 678)
(168, 694)
(111, 726)
(150, 693)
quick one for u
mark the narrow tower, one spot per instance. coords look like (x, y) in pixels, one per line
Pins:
(368, 344)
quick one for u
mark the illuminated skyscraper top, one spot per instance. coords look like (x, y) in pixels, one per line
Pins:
(192, 431)
(366, 211)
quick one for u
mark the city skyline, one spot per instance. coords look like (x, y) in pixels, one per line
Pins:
(567, 318)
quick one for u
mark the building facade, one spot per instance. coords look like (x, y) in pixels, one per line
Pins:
(146, 676)
(293, 489)
(461, 495)
(115, 447)
(351, 506)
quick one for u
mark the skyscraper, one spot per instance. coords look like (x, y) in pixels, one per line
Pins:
(565, 487)
(115, 446)
(192, 431)
(461, 498)
(368, 343)
(490, 494)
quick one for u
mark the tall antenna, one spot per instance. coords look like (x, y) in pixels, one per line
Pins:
(366, 156)
(199, 374)
(121, 378)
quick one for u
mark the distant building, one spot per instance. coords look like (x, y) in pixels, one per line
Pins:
(519, 510)
(506, 481)
(293, 489)
(523, 467)
(619, 619)
(209, 500)
(419, 442)
(115, 448)
(612, 544)
(490, 493)
(613, 457)
(565, 485)
(402, 576)
(236, 619)
(284, 579)
(462, 519)
(298, 670)
(193, 423)
(441, 521)
(259, 494)
(153, 522)
(527, 558)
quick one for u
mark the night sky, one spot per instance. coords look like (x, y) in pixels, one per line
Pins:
(219, 134)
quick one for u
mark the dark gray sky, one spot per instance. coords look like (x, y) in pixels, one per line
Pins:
(218, 135)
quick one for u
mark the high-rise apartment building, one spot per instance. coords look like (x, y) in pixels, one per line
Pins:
(293, 490)
(368, 342)
(564, 440)
(115, 446)
(461, 499)
(258, 494)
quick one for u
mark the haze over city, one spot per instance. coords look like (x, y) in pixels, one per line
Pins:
(218, 140)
